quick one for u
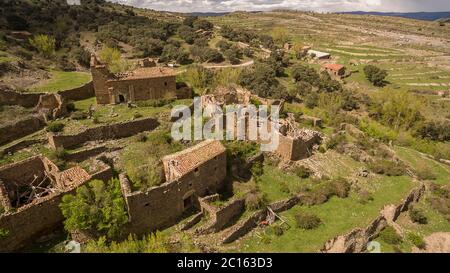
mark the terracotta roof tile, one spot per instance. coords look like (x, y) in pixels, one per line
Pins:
(335, 67)
(185, 161)
(146, 73)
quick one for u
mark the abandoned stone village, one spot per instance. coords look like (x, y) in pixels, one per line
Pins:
(31, 189)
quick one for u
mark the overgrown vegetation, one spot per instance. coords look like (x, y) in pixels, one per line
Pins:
(307, 221)
(97, 207)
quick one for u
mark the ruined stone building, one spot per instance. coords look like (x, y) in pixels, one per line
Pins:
(335, 70)
(195, 172)
(146, 82)
(296, 143)
(30, 192)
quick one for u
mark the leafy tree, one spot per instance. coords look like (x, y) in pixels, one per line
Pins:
(83, 56)
(187, 34)
(434, 130)
(44, 44)
(223, 45)
(203, 24)
(198, 77)
(398, 109)
(96, 207)
(304, 73)
(280, 35)
(234, 54)
(375, 75)
(267, 41)
(261, 80)
(112, 58)
(189, 21)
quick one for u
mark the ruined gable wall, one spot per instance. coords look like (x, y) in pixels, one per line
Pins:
(145, 89)
(113, 131)
(100, 75)
(162, 206)
(20, 129)
(285, 147)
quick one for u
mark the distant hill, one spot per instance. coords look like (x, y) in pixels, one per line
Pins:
(429, 16)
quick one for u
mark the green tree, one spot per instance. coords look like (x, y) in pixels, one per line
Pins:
(96, 207)
(44, 44)
(375, 75)
(112, 58)
(280, 35)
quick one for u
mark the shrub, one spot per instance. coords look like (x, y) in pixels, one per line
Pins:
(336, 140)
(83, 56)
(307, 221)
(364, 197)
(153, 243)
(390, 236)
(44, 44)
(141, 137)
(278, 230)
(417, 216)
(257, 169)
(96, 207)
(302, 172)
(79, 115)
(387, 167)
(255, 201)
(3, 233)
(55, 127)
(70, 107)
(416, 240)
(284, 187)
(375, 75)
(424, 172)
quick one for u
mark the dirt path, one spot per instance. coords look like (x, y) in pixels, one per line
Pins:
(249, 63)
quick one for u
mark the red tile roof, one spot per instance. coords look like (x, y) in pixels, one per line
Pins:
(147, 72)
(335, 67)
(187, 160)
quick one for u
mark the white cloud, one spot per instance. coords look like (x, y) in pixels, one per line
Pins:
(316, 5)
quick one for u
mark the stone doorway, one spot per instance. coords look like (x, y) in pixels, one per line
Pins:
(121, 99)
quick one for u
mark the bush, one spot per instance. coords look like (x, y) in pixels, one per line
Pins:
(417, 216)
(79, 115)
(387, 167)
(141, 137)
(375, 75)
(307, 221)
(55, 127)
(70, 107)
(3, 233)
(302, 172)
(83, 56)
(255, 201)
(44, 44)
(96, 207)
(416, 240)
(278, 230)
(257, 169)
(390, 236)
(364, 197)
(424, 172)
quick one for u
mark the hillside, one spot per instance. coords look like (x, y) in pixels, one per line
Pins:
(365, 98)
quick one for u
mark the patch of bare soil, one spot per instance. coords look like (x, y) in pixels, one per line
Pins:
(436, 243)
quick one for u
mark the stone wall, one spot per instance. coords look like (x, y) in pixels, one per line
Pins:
(42, 215)
(12, 148)
(20, 129)
(357, 239)
(220, 216)
(290, 148)
(9, 97)
(162, 206)
(80, 93)
(105, 132)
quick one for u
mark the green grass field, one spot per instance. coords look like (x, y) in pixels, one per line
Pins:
(61, 80)
(338, 217)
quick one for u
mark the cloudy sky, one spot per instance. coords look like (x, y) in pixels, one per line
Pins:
(316, 5)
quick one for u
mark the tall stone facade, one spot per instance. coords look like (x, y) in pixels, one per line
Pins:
(145, 83)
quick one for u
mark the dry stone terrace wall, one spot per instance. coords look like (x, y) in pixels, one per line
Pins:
(105, 132)
(10, 97)
(80, 93)
(221, 216)
(163, 206)
(20, 129)
(28, 100)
